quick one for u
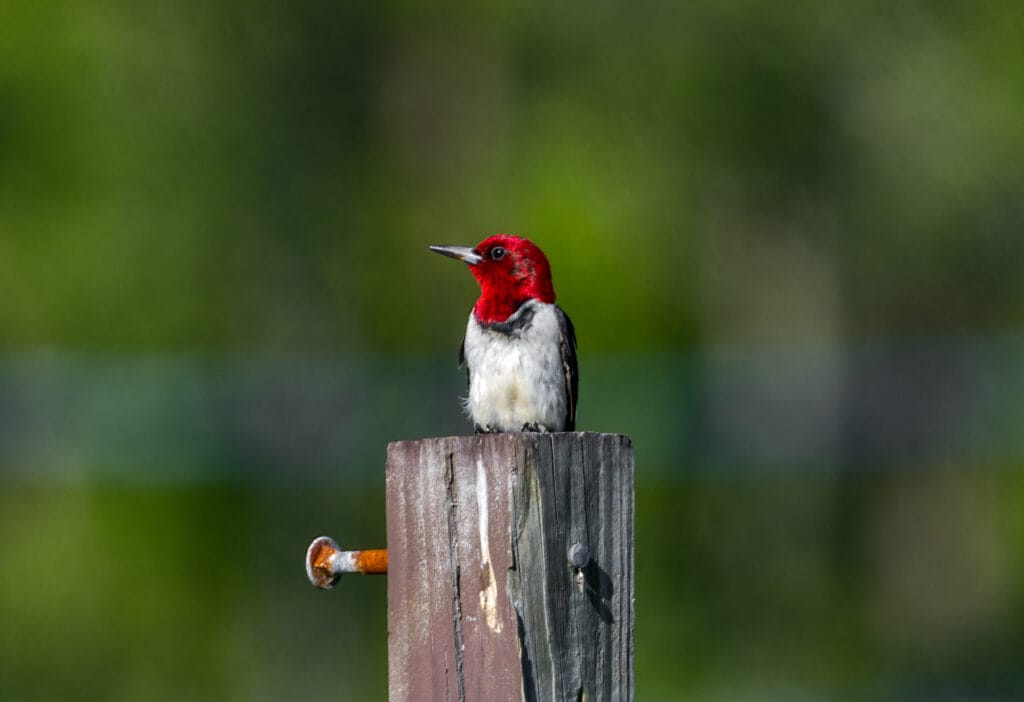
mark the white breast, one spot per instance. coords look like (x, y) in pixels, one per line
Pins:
(517, 378)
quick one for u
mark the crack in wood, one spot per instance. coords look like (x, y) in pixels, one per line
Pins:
(520, 502)
(453, 554)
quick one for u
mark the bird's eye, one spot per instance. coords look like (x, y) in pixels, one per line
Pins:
(497, 253)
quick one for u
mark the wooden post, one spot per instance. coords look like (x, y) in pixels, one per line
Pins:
(510, 570)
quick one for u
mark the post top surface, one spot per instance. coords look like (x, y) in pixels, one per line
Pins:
(525, 437)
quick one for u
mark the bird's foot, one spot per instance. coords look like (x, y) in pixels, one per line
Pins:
(536, 427)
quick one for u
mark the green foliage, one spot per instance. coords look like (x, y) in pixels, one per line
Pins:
(267, 177)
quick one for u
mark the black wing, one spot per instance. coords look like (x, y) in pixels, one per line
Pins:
(567, 345)
(462, 359)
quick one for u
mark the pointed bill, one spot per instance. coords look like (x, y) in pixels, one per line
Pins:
(463, 253)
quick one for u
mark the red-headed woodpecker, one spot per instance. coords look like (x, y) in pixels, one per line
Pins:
(520, 347)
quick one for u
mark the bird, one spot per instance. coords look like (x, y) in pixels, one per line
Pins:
(519, 349)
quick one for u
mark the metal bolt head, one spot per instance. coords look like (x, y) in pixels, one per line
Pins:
(319, 565)
(579, 555)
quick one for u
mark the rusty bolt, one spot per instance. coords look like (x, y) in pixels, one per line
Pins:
(326, 562)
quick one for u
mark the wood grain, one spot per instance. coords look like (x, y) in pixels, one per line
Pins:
(483, 602)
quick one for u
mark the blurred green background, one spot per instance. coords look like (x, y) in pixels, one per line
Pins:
(790, 237)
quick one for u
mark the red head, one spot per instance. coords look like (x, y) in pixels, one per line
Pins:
(510, 270)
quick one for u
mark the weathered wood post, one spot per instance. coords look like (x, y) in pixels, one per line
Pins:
(510, 572)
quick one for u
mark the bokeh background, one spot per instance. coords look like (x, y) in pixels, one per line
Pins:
(791, 237)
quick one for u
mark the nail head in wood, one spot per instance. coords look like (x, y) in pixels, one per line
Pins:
(579, 555)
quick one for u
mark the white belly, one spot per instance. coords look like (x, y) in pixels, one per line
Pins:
(516, 379)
